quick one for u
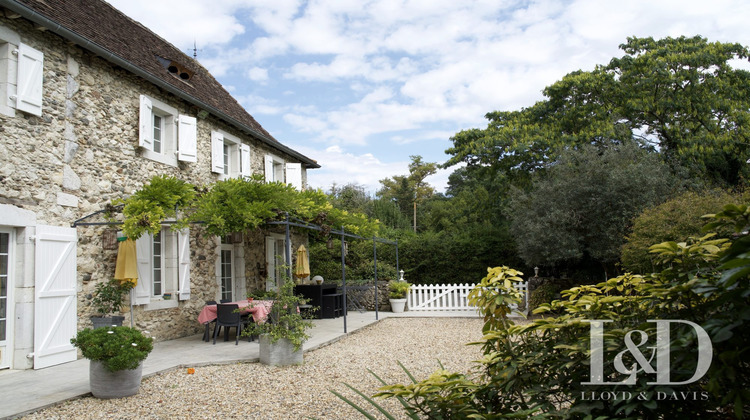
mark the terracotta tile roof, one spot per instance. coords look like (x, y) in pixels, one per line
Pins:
(102, 27)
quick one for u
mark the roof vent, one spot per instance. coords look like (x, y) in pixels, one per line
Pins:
(175, 68)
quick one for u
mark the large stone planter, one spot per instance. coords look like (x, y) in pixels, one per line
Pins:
(280, 353)
(397, 305)
(107, 321)
(106, 384)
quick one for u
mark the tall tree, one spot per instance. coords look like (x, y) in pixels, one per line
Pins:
(407, 191)
(681, 95)
(582, 208)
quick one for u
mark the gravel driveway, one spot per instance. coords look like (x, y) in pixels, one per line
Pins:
(255, 391)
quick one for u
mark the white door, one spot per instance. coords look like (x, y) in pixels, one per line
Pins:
(55, 296)
(6, 299)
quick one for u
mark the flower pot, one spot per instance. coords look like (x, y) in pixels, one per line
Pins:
(280, 353)
(119, 384)
(107, 321)
(397, 305)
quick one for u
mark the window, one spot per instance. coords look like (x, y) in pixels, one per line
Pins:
(4, 282)
(226, 273)
(274, 169)
(229, 156)
(230, 268)
(278, 171)
(21, 75)
(163, 267)
(275, 260)
(158, 265)
(158, 129)
(164, 134)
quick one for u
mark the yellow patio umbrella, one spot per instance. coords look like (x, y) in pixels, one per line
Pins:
(302, 269)
(126, 269)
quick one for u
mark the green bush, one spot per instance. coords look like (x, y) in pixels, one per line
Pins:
(544, 293)
(398, 289)
(678, 218)
(108, 296)
(118, 348)
(543, 369)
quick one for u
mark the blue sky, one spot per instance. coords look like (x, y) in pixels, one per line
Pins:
(362, 85)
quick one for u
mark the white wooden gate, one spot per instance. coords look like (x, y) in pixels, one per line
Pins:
(451, 297)
(55, 295)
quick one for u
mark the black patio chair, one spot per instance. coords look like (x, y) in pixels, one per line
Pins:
(227, 316)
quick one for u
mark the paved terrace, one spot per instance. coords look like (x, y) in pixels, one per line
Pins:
(25, 391)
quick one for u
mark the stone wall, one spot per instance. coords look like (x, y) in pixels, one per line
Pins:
(83, 153)
(367, 297)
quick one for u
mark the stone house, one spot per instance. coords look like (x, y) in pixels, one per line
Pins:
(92, 106)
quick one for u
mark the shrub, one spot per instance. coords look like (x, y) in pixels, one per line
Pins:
(544, 368)
(398, 289)
(678, 218)
(118, 348)
(108, 296)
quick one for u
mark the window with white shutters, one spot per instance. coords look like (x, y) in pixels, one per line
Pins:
(163, 267)
(21, 75)
(165, 135)
(274, 169)
(230, 158)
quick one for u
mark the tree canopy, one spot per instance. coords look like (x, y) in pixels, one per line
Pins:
(583, 206)
(680, 95)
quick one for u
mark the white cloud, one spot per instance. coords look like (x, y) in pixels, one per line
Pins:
(341, 167)
(257, 74)
(388, 73)
(184, 22)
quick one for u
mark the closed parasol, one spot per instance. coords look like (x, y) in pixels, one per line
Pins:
(302, 268)
(126, 269)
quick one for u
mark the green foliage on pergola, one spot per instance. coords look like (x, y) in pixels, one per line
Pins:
(233, 205)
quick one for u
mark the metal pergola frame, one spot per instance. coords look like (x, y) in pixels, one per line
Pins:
(302, 224)
(287, 223)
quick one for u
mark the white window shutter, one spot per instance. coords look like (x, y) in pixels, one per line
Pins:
(294, 175)
(183, 264)
(187, 138)
(146, 124)
(245, 161)
(30, 79)
(143, 257)
(269, 169)
(217, 152)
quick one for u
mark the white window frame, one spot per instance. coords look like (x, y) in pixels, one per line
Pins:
(6, 359)
(21, 75)
(274, 169)
(171, 266)
(239, 281)
(178, 133)
(230, 158)
(232, 269)
(275, 260)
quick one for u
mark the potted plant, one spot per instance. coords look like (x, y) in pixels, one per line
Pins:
(116, 355)
(284, 331)
(397, 292)
(108, 298)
